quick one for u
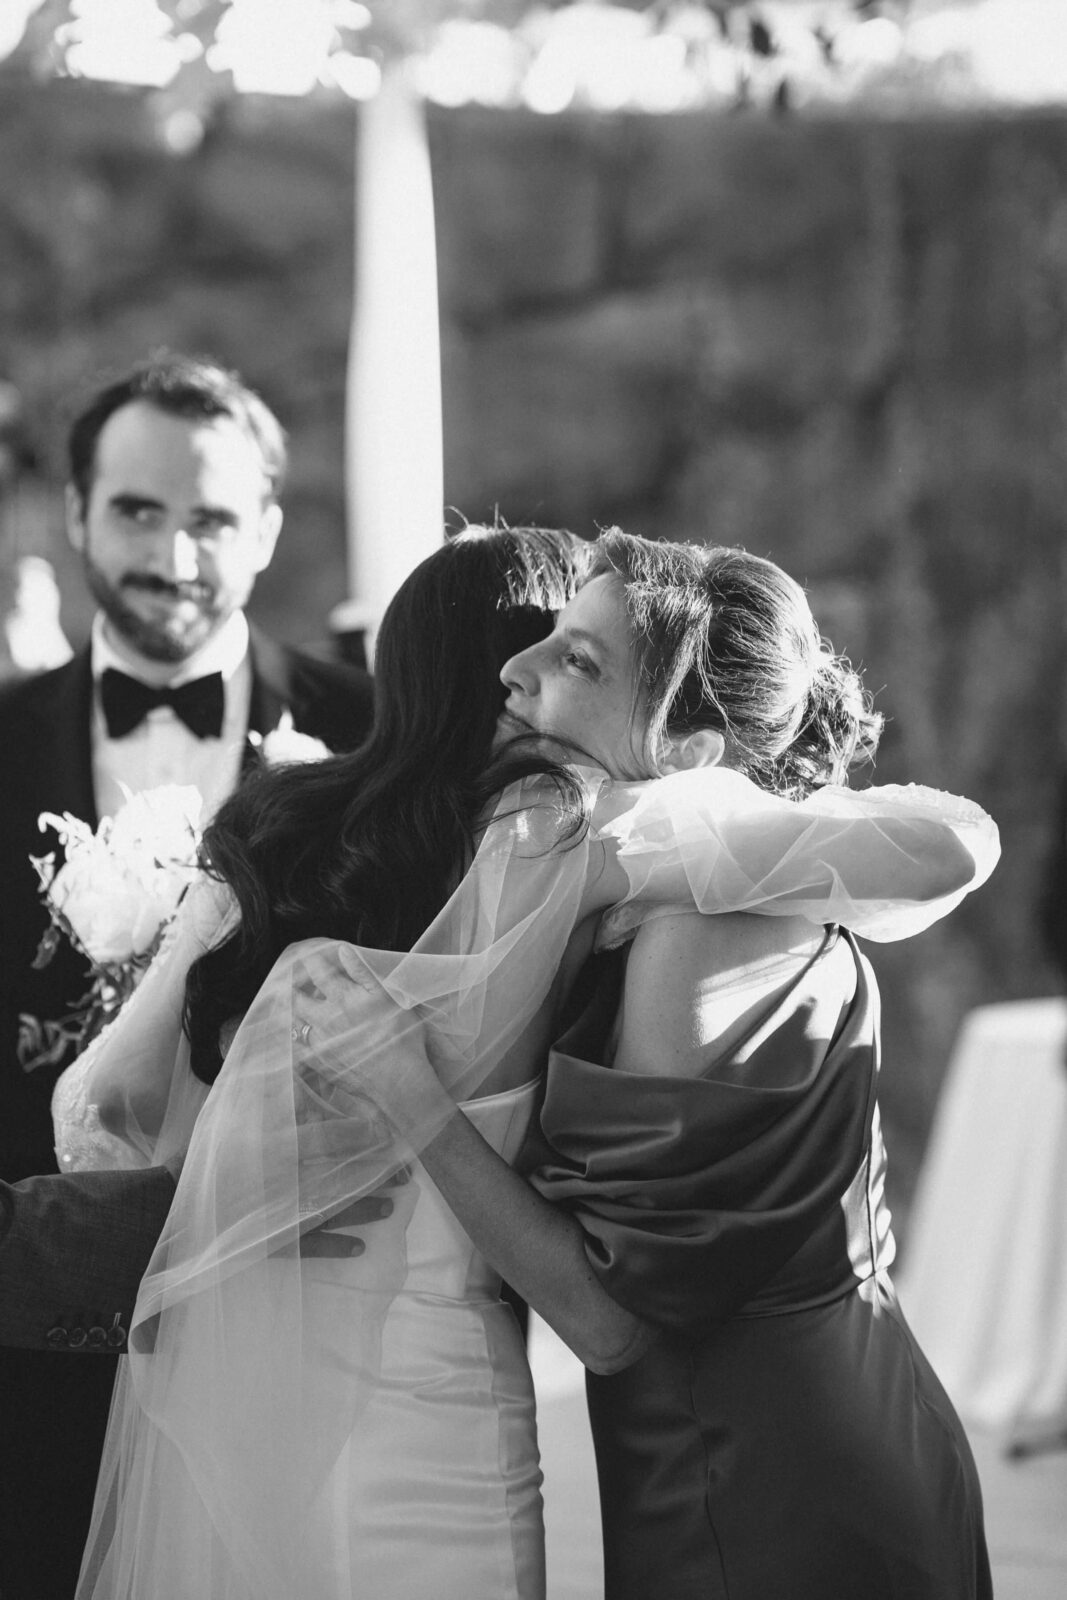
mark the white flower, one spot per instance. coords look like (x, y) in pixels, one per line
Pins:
(284, 744)
(118, 888)
(161, 822)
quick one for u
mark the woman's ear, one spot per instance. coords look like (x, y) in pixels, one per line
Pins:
(704, 747)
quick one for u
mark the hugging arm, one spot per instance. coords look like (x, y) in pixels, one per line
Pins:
(75, 1246)
(536, 1246)
(884, 861)
(539, 1249)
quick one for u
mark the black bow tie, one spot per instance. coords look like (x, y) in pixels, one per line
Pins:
(127, 701)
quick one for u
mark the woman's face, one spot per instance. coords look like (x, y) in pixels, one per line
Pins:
(578, 684)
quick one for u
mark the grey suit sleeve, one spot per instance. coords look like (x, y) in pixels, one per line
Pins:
(73, 1250)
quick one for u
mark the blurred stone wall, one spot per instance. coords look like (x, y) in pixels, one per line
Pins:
(844, 346)
(839, 343)
(110, 246)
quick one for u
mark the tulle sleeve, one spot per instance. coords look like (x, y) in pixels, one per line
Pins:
(885, 862)
(138, 1065)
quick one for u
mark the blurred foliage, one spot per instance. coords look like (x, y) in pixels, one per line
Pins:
(659, 56)
(406, 25)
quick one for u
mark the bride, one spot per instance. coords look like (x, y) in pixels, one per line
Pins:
(364, 1426)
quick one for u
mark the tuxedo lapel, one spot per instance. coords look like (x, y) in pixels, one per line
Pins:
(270, 692)
(64, 759)
(271, 683)
(327, 700)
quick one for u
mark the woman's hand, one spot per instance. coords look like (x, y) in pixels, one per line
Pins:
(352, 1043)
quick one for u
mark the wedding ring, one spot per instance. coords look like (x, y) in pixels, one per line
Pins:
(302, 1034)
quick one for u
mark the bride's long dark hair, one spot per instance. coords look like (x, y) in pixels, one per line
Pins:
(368, 846)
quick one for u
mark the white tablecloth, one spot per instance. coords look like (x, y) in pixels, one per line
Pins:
(984, 1279)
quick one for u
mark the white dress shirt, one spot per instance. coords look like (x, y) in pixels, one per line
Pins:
(162, 749)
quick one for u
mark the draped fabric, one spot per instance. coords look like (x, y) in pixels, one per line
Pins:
(244, 1386)
(694, 1194)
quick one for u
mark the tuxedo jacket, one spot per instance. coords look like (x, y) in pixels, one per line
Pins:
(73, 1250)
(46, 765)
(1053, 905)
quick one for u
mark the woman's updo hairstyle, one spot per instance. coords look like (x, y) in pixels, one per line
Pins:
(726, 640)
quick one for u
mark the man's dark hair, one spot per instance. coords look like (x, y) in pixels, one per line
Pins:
(193, 387)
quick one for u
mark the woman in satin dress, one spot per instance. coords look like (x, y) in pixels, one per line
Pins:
(365, 1426)
(710, 1120)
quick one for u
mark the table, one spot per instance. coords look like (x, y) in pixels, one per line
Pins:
(984, 1278)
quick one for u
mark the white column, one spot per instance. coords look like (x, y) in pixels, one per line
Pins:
(393, 451)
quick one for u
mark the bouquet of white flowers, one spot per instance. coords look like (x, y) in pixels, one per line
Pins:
(114, 897)
(118, 890)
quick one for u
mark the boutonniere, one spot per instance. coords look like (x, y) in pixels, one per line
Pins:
(112, 899)
(285, 745)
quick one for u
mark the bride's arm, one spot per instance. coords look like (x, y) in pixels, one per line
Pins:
(137, 1069)
(884, 861)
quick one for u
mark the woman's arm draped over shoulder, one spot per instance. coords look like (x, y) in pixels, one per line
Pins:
(885, 862)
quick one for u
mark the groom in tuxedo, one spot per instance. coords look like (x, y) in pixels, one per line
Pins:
(172, 504)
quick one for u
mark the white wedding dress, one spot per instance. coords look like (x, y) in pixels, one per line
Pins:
(453, 1508)
(325, 1429)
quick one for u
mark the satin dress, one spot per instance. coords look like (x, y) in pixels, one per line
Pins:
(442, 1498)
(784, 1438)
